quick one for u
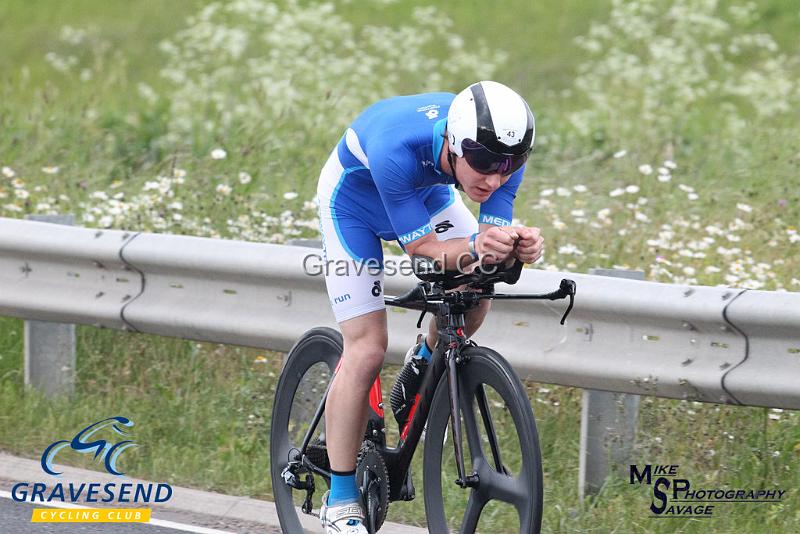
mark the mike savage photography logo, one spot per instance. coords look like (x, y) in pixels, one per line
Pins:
(68, 494)
(677, 497)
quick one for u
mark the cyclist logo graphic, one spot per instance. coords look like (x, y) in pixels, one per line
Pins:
(81, 443)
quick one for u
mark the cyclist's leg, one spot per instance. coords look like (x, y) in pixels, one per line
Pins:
(354, 279)
(451, 219)
(365, 340)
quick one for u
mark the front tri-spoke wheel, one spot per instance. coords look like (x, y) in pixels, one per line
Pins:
(304, 380)
(500, 446)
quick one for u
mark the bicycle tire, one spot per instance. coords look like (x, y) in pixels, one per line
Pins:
(484, 367)
(319, 350)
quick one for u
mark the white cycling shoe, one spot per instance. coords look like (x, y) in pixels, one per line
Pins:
(344, 519)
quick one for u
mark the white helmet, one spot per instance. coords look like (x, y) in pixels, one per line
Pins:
(491, 126)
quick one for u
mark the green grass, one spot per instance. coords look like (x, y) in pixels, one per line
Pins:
(202, 415)
(202, 411)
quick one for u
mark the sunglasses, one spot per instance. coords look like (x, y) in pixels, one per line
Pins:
(485, 161)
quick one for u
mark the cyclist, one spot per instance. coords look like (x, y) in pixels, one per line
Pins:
(393, 176)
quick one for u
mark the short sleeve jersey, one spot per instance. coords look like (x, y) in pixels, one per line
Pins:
(394, 148)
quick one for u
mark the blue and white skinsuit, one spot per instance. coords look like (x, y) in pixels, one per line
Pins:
(383, 181)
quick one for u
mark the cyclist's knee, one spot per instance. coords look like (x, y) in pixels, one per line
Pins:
(365, 342)
(480, 312)
(365, 357)
(476, 316)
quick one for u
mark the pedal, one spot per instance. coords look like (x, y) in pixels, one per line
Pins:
(407, 491)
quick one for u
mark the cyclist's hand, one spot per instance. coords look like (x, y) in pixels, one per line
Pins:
(530, 245)
(496, 244)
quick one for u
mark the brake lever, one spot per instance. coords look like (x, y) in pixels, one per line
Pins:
(422, 316)
(568, 289)
(424, 307)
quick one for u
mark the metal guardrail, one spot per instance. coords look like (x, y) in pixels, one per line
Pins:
(700, 343)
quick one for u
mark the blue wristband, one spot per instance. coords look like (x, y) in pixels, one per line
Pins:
(472, 250)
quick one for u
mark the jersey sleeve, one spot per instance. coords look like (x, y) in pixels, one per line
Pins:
(393, 173)
(499, 208)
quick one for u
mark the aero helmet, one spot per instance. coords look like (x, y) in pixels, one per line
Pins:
(492, 127)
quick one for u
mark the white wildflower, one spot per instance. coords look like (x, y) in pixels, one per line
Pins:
(245, 178)
(632, 189)
(620, 154)
(563, 192)
(664, 178)
(8, 172)
(546, 192)
(580, 188)
(223, 189)
(50, 170)
(744, 207)
(670, 164)
(219, 153)
(616, 192)
(291, 195)
(570, 249)
(646, 169)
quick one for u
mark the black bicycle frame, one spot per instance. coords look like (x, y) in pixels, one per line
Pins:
(445, 358)
(450, 311)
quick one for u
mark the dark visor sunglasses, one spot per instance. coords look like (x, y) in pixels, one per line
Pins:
(485, 161)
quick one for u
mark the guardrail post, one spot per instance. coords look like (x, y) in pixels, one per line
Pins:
(608, 424)
(50, 347)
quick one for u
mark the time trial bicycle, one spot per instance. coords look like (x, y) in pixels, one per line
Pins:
(469, 392)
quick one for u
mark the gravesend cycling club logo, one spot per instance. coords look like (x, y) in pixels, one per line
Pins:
(107, 451)
(676, 497)
(105, 440)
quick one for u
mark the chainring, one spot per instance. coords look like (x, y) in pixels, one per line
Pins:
(375, 486)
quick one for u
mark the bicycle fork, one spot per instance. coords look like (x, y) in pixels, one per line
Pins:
(453, 359)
